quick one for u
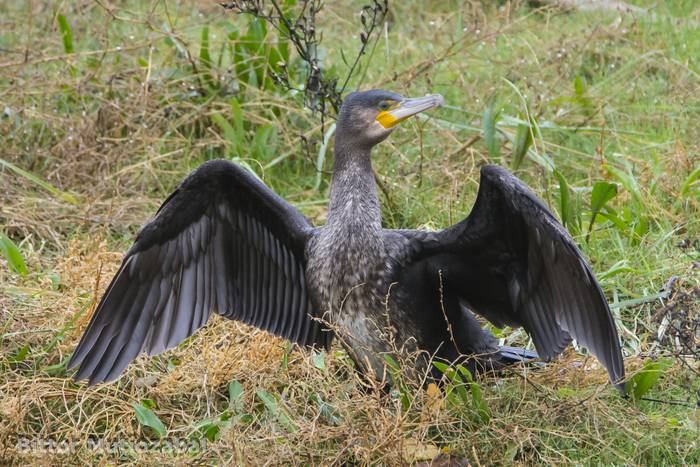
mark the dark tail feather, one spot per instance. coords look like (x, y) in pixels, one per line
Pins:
(511, 355)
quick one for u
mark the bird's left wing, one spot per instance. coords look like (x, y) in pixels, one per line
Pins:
(221, 242)
(511, 261)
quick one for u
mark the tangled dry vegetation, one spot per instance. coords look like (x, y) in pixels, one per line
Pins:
(109, 116)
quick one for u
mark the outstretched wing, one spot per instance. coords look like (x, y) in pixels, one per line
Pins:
(222, 242)
(514, 263)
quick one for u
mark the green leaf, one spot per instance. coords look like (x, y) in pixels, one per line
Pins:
(146, 417)
(398, 382)
(602, 193)
(478, 399)
(320, 360)
(13, 256)
(442, 367)
(270, 402)
(647, 377)
(329, 412)
(457, 394)
(20, 355)
(489, 122)
(691, 182)
(565, 207)
(235, 393)
(209, 428)
(66, 34)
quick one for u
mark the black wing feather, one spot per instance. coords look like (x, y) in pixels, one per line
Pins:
(221, 242)
(511, 261)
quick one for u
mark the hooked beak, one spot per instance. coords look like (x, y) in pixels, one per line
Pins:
(408, 108)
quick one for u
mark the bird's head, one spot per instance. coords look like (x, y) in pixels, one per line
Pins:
(368, 117)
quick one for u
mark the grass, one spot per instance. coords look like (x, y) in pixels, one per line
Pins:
(90, 150)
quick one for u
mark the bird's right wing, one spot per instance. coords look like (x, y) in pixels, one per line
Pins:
(221, 242)
(512, 262)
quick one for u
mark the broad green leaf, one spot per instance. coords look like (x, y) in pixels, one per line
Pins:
(13, 256)
(442, 367)
(602, 193)
(211, 427)
(270, 402)
(320, 360)
(646, 378)
(328, 412)
(146, 417)
(235, 393)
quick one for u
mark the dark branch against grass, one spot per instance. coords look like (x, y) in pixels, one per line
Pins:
(320, 89)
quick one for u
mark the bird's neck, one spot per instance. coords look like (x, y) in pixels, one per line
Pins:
(353, 202)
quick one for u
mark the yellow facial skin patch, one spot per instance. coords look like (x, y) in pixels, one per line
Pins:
(387, 120)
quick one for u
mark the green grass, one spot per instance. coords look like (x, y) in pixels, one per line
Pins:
(89, 152)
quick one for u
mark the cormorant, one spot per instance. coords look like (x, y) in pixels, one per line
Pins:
(223, 242)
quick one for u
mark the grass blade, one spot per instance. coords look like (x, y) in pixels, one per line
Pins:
(320, 160)
(66, 34)
(564, 199)
(42, 183)
(523, 141)
(691, 182)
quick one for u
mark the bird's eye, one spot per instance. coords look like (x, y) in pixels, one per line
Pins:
(384, 105)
